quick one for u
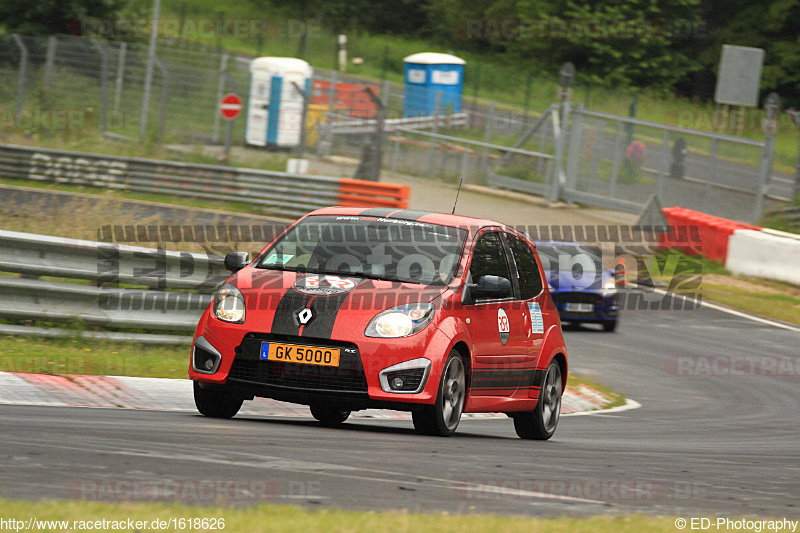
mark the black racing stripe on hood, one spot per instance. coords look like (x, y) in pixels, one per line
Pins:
(409, 214)
(377, 211)
(285, 320)
(326, 309)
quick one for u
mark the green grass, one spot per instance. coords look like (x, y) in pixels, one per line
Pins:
(91, 357)
(783, 307)
(767, 298)
(102, 358)
(289, 519)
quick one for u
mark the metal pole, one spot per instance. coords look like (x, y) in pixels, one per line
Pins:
(432, 152)
(375, 174)
(612, 184)
(325, 143)
(302, 146)
(120, 76)
(561, 139)
(528, 95)
(23, 64)
(771, 106)
(575, 142)
(228, 128)
(49, 61)
(223, 65)
(103, 84)
(487, 138)
(162, 112)
(385, 91)
(660, 176)
(148, 74)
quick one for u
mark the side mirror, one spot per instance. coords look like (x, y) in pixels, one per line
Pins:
(487, 287)
(492, 287)
(235, 261)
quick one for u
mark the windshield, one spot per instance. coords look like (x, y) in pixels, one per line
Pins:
(570, 266)
(395, 250)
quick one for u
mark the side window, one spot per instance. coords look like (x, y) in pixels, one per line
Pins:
(489, 258)
(530, 282)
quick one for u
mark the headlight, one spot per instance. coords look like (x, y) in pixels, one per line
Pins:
(610, 287)
(229, 304)
(400, 321)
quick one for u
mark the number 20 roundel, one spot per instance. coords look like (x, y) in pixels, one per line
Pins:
(502, 325)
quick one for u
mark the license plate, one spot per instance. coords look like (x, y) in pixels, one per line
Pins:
(298, 353)
(579, 308)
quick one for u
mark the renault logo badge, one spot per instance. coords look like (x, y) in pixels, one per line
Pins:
(305, 316)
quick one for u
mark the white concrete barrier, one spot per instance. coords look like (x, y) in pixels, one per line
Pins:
(771, 255)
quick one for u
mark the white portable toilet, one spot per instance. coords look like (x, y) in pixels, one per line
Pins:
(275, 107)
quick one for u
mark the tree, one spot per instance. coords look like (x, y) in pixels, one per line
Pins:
(46, 17)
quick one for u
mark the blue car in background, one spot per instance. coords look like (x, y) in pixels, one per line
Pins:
(582, 289)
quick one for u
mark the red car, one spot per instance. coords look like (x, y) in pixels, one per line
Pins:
(353, 308)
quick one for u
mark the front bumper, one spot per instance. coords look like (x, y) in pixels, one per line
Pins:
(592, 306)
(356, 382)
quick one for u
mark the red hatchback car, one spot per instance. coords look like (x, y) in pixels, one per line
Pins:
(353, 308)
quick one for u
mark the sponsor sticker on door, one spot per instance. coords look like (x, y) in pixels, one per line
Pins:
(503, 325)
(537, 326)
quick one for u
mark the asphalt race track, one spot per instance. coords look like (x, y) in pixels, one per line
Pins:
(704, 444)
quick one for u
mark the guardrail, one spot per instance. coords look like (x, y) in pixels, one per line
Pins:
(348, 125)
(280, 192)
(103, 303)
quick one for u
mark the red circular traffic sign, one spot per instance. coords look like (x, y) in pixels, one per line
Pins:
(230, 106)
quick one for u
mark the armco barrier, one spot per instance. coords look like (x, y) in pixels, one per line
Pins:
(707, 235)
(100, 302)
(278, 192)
(765, 254)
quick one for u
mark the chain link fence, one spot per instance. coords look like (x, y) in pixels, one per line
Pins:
(615, 161)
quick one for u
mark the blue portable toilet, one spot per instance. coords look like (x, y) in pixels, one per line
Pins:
(426, 74)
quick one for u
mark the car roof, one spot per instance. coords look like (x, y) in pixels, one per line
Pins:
(539, 242)
(431, 217)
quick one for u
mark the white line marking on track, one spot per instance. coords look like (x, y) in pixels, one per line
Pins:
(730, 311)
(629, 405)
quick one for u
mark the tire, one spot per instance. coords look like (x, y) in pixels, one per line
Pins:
(442, 418)
(329, 416)
(542, 422)
(610, 325)
(216, 403)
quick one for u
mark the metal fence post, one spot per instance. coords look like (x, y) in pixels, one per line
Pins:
(771, 107)
(612, 185)
(103, 83)
(326, 138)
(148, 75)
(575, 137)
(23, 65)
(660, 176)
(561, 139)
(395, 154)
(385, 92)
(223, 65)
(162, 111)
(488, 138)
(301, 148)
(432, 152)
(123, 48)
(49, 61)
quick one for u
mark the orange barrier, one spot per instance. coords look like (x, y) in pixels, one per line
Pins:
(350, 97)
(359, 193)
(697, 233)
